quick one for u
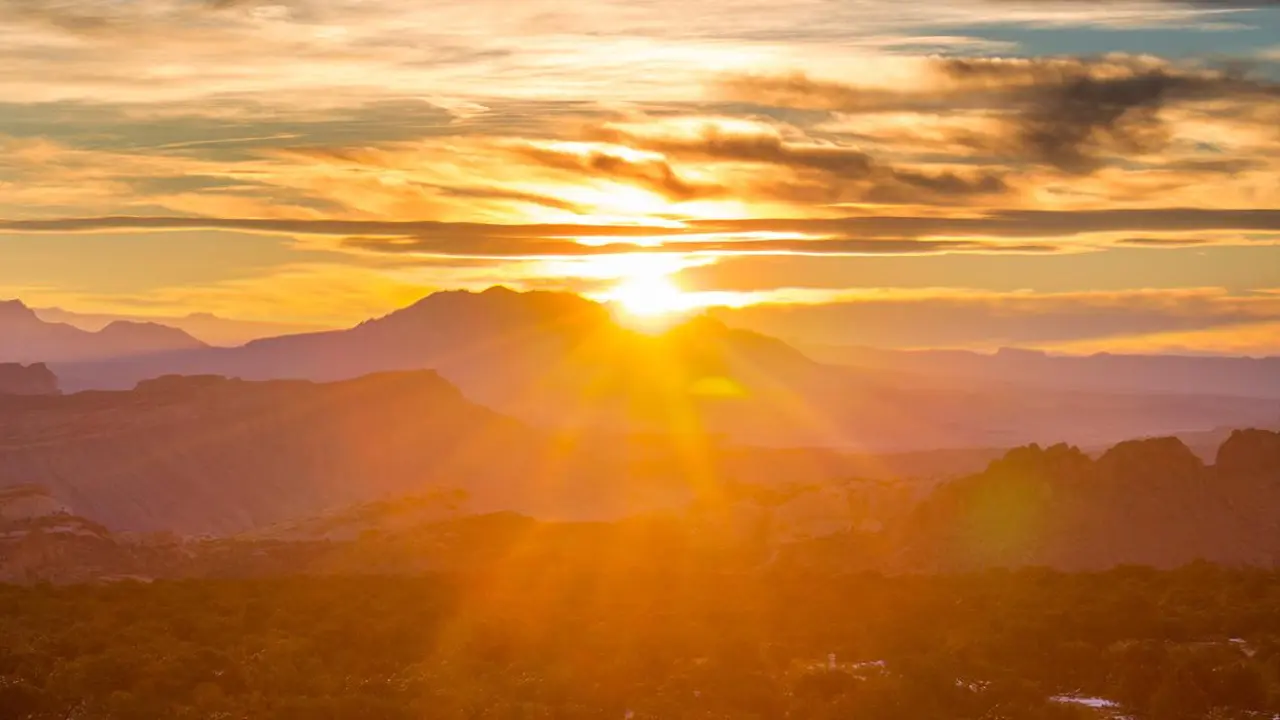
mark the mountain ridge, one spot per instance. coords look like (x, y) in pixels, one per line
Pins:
(563, 363)
(25, 338)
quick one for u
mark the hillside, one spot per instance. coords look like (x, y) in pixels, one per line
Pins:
(1148, 502)
(205, 454)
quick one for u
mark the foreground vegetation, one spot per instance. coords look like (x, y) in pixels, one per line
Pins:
(1193, 643)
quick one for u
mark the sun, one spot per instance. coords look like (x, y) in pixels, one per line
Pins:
(650, 296)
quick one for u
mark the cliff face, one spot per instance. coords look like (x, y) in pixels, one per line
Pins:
(17, 379)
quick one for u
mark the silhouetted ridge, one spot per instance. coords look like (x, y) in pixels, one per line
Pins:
(24, 337)
(566, 364)
(210, 454)
(1250, 454)
(1154, 459)
(1148, 501)
(155, 332)
(15, 311)
(36, 379)
(499, 304)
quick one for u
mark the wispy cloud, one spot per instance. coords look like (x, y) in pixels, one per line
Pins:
(997, 224)
(946, 317)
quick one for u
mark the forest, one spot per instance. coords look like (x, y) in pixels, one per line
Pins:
(1202, 641)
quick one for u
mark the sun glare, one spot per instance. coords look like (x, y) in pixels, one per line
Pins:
(650, 296)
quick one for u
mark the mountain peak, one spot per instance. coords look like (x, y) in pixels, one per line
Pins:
(502, 304)
(35, 379)
(16, 310)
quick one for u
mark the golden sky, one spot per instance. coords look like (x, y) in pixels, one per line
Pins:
(969, 173)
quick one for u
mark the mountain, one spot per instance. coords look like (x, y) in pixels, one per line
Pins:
(25, 338)
(563, 363)
(1145, 502)
(1149, 502)
(210, 455)
(207, 327)
(1198, 375)
(18, 379)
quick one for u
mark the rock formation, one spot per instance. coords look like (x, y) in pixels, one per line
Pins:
(37, 379)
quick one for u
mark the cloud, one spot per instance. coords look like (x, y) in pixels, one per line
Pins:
(507, 248)
(883, 182)
(993, 224)
(998, 232)
(1163, 241)
(945, 317)
(1021, 223)
(1071, 114)
(653, 174)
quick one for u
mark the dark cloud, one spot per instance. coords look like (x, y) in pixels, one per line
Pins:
(1163, 242)
(874, 180)
(651, 174)
(1023, 223)
(1072, 114)
(1010, 224)
(714, 145)
(801, 92)
(515, 248)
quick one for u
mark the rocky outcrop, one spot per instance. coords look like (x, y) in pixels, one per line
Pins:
(1250, 453)
(1145, 502)
(37, 379)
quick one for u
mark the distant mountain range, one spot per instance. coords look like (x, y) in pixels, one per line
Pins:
(206, 327)
(560, 362)
(211, 455)
(25, 338)
(1201, 375)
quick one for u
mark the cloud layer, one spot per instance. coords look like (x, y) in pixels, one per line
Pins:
(391, 149)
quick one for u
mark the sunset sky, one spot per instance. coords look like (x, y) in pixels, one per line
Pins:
(1072, 175)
